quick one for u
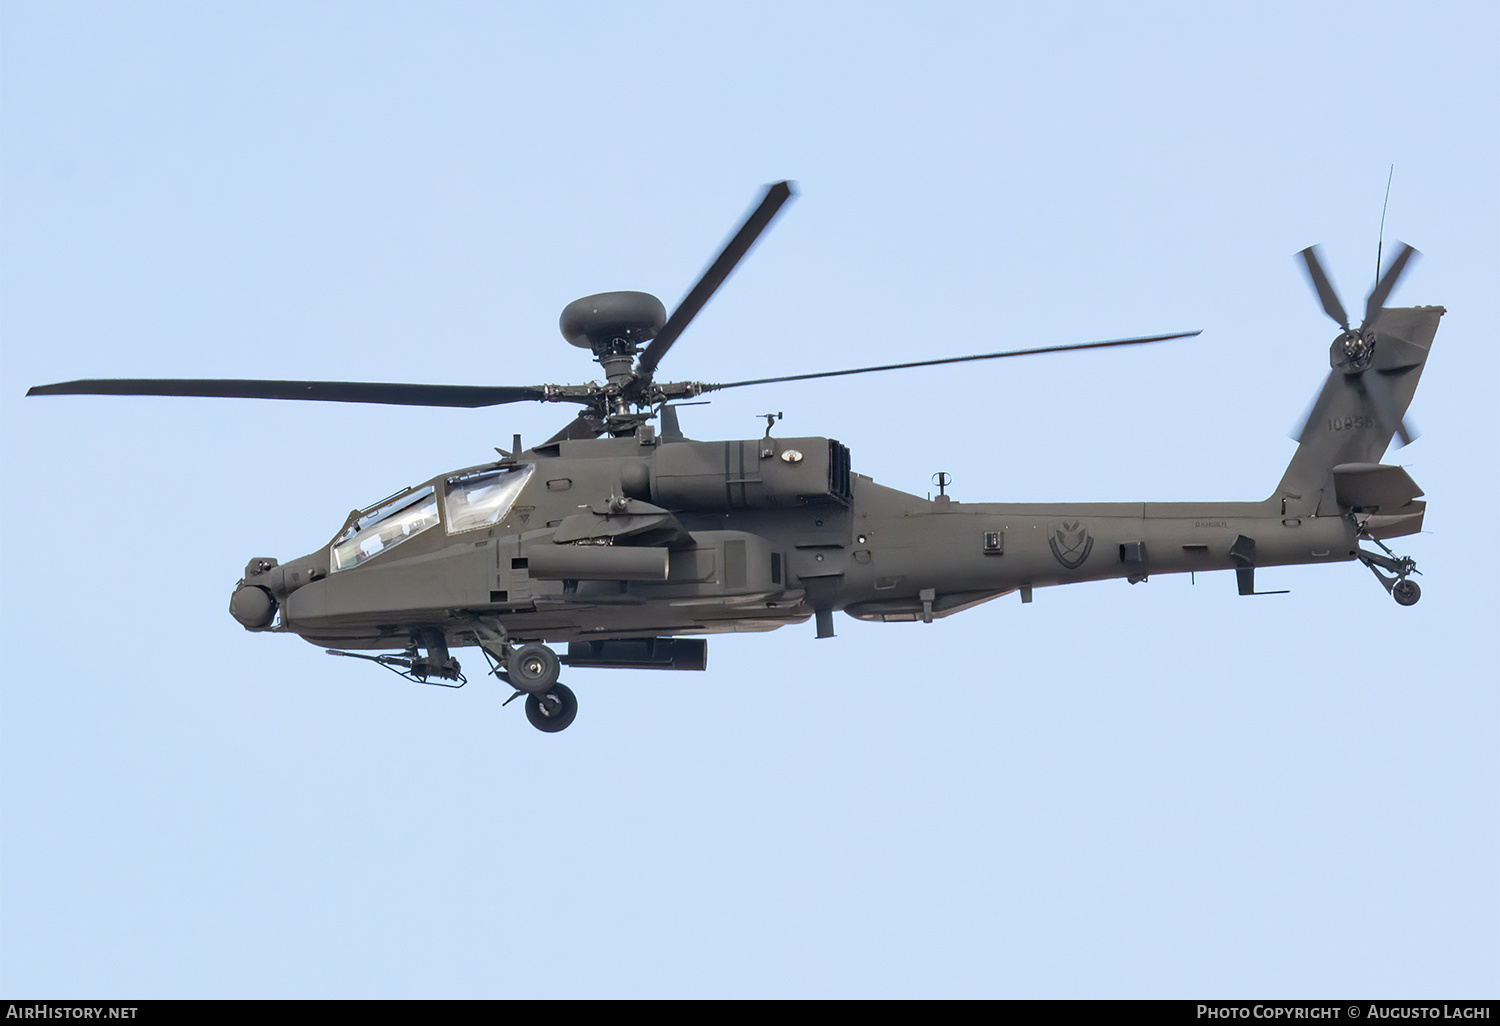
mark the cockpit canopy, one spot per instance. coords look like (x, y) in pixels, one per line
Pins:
(482, 498)
(471, 501)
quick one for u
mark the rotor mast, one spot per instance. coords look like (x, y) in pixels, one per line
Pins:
(629, 332)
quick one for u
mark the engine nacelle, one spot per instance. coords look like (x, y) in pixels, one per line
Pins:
(759, 474)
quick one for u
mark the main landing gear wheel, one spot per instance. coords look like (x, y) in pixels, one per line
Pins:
(1406, 592)
(553, 709)
(533, 668)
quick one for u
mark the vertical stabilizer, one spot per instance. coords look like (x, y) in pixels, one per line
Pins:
(1356, 415)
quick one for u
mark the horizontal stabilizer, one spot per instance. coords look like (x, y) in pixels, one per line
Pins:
(1408, 520)
(1374, 487)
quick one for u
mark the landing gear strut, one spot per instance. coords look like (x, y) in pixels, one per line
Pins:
(531, 669)
(1404, 591)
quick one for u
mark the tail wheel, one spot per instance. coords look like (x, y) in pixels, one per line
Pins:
(553, 709)
(1406, 592)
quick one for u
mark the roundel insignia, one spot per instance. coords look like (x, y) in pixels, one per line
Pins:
(1071, 543)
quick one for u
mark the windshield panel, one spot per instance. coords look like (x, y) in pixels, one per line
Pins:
(479, 500)
(386, 527)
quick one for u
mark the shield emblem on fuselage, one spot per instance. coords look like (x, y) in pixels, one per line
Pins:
(1071, 543)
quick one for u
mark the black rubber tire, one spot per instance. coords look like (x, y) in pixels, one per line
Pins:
(533, 668)
(552, 710)
(1406, 592)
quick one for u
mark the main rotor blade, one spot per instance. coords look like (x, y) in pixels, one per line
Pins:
(1323, 287)
(719, 270)
(395, 394)
(957, 359)
(1382, 290)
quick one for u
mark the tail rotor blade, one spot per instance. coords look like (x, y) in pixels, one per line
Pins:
(1377, 388)
(732, 253)
(1323, 287)
(1383, 288)
(1316, 410)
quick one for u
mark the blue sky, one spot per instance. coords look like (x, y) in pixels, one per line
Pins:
(1164, 790)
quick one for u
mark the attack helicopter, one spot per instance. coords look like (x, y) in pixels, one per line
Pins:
(627, 541)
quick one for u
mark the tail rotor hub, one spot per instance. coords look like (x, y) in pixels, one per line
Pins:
(1353, 350)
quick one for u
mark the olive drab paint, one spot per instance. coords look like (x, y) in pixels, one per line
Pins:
(628, 545)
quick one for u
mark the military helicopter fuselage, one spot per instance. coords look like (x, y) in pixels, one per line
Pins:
(627, 542)
(618, 538)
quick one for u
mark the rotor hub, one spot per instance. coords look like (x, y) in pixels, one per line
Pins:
(1353, 350)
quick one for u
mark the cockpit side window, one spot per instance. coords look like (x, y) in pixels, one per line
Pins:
(390, 525)
(482, 498)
